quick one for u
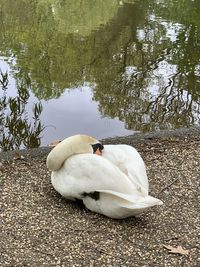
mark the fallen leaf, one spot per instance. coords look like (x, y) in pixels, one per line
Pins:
(55, 143)
(178, 250)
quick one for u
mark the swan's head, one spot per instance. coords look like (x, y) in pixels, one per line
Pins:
(77, 144)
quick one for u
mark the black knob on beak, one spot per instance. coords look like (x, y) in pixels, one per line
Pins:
(97, 146)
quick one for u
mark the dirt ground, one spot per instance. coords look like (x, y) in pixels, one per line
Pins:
(40, 228)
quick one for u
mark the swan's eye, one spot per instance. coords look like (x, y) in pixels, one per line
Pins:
(97, 147)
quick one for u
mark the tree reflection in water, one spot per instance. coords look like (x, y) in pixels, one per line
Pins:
(145, 109)
(157, 86)
(16, 130)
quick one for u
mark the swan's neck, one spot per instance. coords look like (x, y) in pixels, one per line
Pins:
(70, 146)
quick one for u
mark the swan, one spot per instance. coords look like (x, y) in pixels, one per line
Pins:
(109, 179)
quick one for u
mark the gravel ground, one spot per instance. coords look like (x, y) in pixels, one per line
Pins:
(40, 228)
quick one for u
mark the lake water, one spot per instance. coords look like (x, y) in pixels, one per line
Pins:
(105, 69)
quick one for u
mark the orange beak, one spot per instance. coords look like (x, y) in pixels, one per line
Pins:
(98, 152)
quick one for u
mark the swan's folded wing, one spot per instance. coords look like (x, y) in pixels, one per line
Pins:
(130, 162)
(87, 173)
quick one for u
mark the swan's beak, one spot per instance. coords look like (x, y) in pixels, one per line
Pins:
(98, 152)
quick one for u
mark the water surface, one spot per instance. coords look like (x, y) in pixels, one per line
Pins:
(107, 69)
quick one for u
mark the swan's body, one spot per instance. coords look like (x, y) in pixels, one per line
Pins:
(114, 184)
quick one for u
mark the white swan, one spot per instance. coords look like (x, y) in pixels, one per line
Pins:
(113, 183)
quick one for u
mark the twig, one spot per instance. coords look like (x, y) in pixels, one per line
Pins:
(88, 229)
(109, 254)
(171, 238)
(168, 186)
(42, 252)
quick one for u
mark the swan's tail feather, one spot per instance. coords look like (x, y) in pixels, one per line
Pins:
(125, 205)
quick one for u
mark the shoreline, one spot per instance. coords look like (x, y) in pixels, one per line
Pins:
(134, 139)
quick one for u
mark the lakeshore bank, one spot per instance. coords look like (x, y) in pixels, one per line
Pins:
(40, 228)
